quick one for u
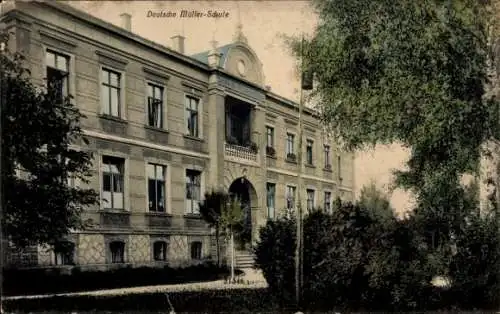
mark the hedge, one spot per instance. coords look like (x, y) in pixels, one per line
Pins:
(48, 281)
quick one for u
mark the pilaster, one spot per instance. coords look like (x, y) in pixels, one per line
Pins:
(216, 130)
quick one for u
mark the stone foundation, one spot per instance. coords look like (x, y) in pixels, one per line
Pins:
(92, 252)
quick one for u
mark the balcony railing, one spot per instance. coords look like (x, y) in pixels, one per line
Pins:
(240, 152)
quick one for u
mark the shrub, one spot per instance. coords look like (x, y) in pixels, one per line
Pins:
(42, 281)
(475, 269)
(353, 259)
(274, 255)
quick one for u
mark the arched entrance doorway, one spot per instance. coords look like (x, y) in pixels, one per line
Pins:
(243, 190)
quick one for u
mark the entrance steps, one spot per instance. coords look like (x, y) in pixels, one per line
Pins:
(244, 259)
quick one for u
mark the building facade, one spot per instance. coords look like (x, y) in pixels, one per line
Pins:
(165, 128)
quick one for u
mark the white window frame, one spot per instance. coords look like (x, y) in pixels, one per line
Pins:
(165, 252)
(191, 250)
(122, 103)
(327, 161)
(195, 95)
(71, 69)
(324, 201)
(165, 188)
(294, 148)
(294, 205)
(57, 252)
(339, 167)
(202, 187)
(111, 251)
(164, 114)
(274, 201)
(168, 184)
(310, 140)
(274, 136)
(309, 189)
(126, 178)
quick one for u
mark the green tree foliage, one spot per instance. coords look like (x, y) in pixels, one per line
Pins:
(274, 255)
(415, 73)
(225, 214)
(353, 260)
(37, 134)
(411, 72)
(372, 198)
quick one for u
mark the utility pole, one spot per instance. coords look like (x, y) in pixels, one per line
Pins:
(298, 205)
(306, 83)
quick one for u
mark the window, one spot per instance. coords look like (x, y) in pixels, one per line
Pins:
(110, 92)
(328, 202)
(71, 181)
(117, 249)
(57, 75)
(270, 136)
(310, 200)
(290, 196)
(271, 195)
(64, 252)
(155, 106)
(290, 139)
(196, 250)
(309, 152)
(192, 116)
(156, 187)
(160, 251)
(327, 157)
(339, 167)
(193, 194)
(112, 182)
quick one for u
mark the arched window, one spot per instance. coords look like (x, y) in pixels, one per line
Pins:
(196, 250)
(64, 253)
(117, 249)
(160, 251)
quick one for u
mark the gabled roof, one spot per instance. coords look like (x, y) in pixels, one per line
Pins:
(224, 50)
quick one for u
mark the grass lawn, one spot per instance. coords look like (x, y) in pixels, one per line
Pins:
(249, 300)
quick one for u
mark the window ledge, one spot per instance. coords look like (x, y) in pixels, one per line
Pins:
(192, 216)
(310, 165)
(328, 169)
(161, 214)
(271, 156)
(114, 211)
(112, 118)
(194, 138)
(153, 128)
(291, 161)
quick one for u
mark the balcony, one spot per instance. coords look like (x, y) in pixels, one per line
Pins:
(241, 152)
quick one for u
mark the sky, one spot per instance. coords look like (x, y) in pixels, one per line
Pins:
(264, 24)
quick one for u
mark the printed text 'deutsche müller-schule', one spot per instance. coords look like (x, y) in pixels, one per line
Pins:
(189, 14)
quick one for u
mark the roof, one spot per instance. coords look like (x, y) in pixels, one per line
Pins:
(224, 50)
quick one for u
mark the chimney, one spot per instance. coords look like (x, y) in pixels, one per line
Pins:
(178, 43)
(126, 21)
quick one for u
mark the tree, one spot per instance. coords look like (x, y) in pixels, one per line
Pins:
(231, 217)
(414, 73)
(376, 202)
(211, 210)
(39, 129)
